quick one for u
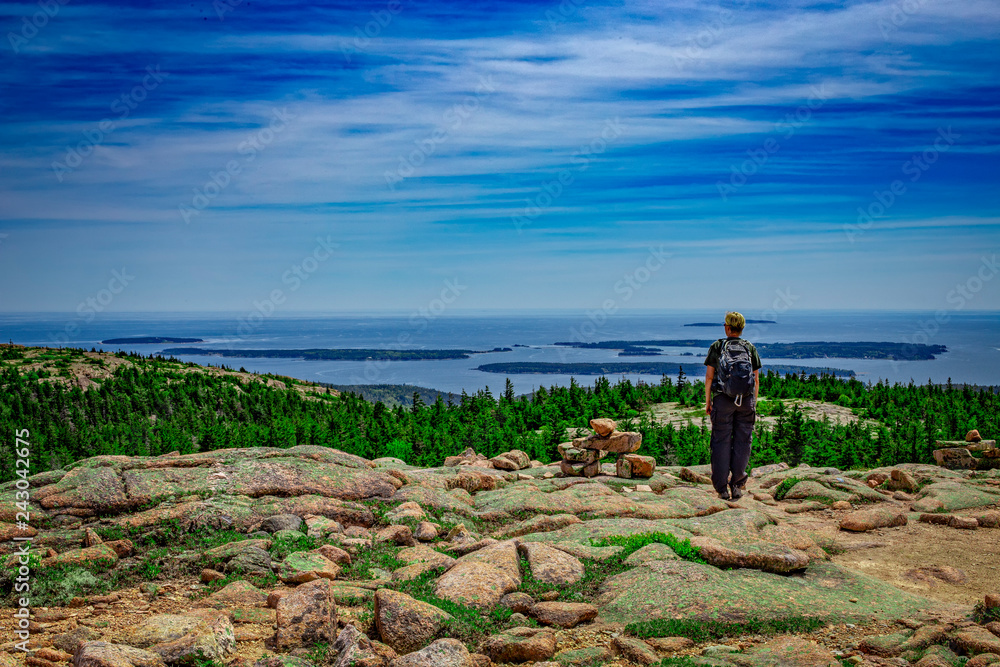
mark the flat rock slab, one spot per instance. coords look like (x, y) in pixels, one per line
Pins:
(542, 523)
(787, 652)
(864, 520)
(106, 654)
(763, 556)
(950, 495)
(617, 442)
(563, 614)
(675, 589)
(550, 565)
(475, 584)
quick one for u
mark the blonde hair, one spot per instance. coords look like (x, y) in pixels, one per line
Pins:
(735, 320)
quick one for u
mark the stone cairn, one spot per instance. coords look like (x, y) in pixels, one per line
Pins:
(959, 455)
(582, 457)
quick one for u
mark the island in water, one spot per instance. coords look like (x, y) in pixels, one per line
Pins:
(717, 324)
(644, 368)
(149, 340)
(348, 354)
(800, 350)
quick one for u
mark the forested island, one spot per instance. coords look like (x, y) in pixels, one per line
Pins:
(149, 340)
(799, 350)
(644, 368)
(348, 354)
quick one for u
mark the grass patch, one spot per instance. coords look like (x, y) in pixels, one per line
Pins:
(283, 546)
(381, 555)
(681, 661)
(785, 486)
(632, 543)
(596, 572)
(703, 631)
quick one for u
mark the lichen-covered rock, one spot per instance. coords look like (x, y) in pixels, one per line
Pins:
(181, 637)
(520, 645)
(864, 520)
(406, 624)
(563, 614)
(237, 594)
(306, 616)
(592, 656)
(764, 556)
(617, 442)
(106, 654)
(475, 584)
(273, 524)
(441, 653)
(634, 466)
(251, 560)
(542, 523)
(550, 565)
(303, 566)
(635, 650)
(788, 652)
(101, 553)
(424, 554)
(426, 531)
(354, 649)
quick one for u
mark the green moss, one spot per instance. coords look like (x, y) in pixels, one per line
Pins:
(785, 486)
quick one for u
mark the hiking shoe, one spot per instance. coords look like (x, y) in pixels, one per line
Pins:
(737, 493)
(724, 496)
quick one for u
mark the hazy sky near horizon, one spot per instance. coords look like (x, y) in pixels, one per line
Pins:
(594, 155)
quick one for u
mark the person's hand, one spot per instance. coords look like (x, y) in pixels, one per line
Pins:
(708, 408)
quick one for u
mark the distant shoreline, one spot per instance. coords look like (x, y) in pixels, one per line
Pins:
(149, 340)
(801, 350)
(348, 354)
(639, 368)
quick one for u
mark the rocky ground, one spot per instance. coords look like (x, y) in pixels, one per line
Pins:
(309, 556)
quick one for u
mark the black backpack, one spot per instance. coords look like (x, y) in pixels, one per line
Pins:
(736, 378)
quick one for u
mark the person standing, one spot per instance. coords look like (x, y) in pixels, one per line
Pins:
(732, 381)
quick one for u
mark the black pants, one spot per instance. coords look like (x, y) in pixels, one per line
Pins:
(732, 435)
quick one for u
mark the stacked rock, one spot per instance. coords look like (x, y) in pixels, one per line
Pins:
(582, 456)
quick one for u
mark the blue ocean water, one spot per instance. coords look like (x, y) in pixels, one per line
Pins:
(972, 338)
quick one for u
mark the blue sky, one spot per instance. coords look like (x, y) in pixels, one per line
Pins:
(538, 154)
